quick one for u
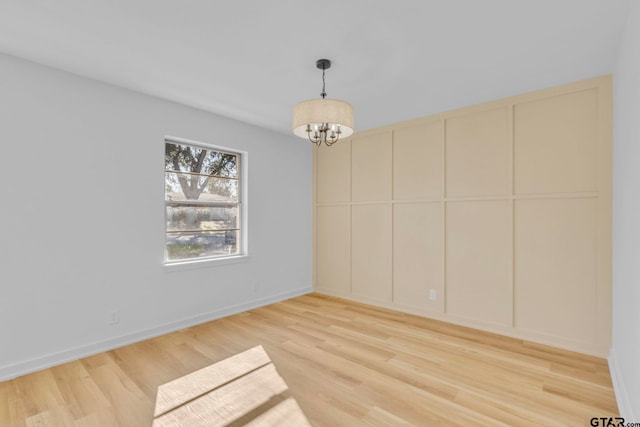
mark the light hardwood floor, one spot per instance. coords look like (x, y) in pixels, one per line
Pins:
(347, 364)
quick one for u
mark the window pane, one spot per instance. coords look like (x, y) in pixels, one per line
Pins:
(186, 158)
(182, 246)
(202, 196)
(201, 218)
(182, 186)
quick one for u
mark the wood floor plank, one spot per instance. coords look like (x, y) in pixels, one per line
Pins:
(345, 364)
(377, 417)
(59, 416)
(129, 405)
(38, 392)
(5, 392)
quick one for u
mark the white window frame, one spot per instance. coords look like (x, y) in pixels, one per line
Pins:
(243, 252)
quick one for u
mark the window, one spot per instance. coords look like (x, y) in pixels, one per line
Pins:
(202, 202)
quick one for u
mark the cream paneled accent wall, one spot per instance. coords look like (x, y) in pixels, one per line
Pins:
(495, 216)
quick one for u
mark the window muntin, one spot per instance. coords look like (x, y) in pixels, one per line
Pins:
(203, 212)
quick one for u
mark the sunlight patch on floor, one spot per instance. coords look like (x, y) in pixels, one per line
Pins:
(244, 389)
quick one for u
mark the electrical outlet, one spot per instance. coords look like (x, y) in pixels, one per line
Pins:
(432, 294)
(114, 317)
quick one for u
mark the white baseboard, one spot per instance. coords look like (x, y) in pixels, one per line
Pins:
(622, 396)
(15, 370)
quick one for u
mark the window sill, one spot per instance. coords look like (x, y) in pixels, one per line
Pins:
(204, 263)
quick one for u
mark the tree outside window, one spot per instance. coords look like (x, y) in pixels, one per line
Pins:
(203, 217)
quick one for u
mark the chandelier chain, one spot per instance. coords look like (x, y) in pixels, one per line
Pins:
(324, 92)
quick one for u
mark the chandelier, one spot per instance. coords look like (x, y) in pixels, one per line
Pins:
(323, 120)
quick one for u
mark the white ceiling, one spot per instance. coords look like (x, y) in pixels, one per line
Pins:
(253, 60)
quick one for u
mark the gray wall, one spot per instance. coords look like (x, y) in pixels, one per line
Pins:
(82, 216)
(625, 354)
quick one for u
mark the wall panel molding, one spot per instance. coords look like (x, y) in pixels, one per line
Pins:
(495, 216)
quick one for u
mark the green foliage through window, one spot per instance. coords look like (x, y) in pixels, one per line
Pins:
(202, 197)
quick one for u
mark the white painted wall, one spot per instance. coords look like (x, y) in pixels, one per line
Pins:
(82, 211)
(625, 355)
